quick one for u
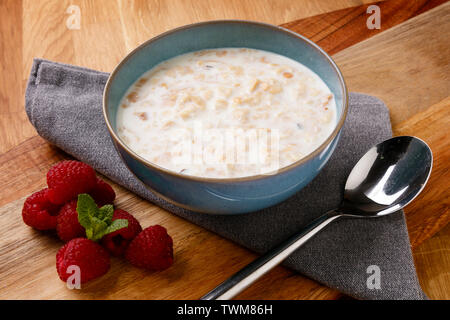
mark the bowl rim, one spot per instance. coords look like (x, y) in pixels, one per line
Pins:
(301, 161)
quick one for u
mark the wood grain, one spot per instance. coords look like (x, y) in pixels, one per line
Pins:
(340, 29)
(433, 265)
(14, 125)
(407, 69)
(109, 29)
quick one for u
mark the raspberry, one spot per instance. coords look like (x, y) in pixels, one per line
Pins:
(152, 249)
(117, 242)
(67, 179)
(38, 212)
(102, 193)
(67, 225)
(89, 256)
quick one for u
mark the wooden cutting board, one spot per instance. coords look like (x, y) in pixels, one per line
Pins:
(406, 64)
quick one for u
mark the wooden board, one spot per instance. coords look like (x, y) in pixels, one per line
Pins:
(391, 63)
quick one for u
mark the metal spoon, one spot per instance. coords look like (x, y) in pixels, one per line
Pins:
(388, 177)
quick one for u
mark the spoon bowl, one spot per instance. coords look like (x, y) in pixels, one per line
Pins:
(388, 177)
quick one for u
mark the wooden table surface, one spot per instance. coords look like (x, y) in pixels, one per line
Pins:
(405, 63)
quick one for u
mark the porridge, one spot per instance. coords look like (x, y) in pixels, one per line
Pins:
(228, 112)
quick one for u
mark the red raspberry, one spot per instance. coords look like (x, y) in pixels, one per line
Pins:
(118, 241)
(89, 256)
(67, 225)
(38, 212)
(68, 178)
(102, 193)
(152, 249)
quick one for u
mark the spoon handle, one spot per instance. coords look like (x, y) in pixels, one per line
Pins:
(253, 271)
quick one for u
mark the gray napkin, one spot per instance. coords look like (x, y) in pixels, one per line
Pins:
(64, 103)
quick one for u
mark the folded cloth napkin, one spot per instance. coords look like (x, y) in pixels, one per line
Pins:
(64, 103)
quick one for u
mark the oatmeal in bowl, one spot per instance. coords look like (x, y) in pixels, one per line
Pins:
(225, 117)
(240, 92)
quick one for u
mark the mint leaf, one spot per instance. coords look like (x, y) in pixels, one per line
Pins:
(86, 208)
(116, 225)
(97, 221)
(89, 233)
(106, 213)
(103, 229)
(98, 229)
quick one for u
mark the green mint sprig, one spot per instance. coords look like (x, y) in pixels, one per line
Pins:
(97, 221)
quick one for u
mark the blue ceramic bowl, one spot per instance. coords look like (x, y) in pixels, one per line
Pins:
(228, 195)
